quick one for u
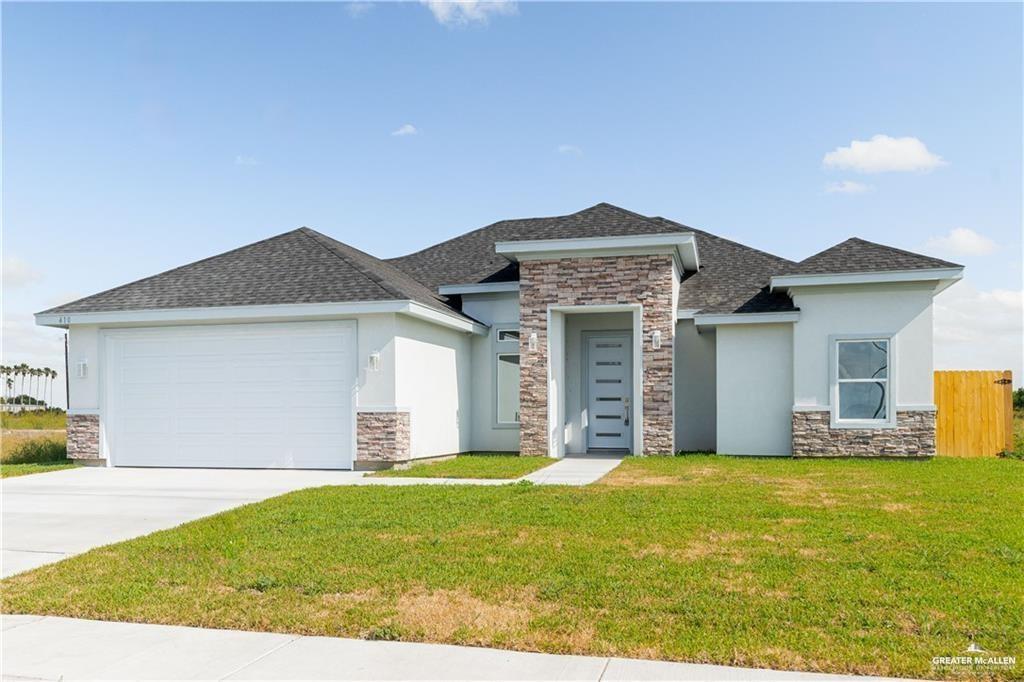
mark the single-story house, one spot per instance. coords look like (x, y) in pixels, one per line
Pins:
(599, 331)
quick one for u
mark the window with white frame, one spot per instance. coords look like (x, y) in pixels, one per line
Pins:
(506, 375)
(507, 387)
(508, 335)
(862, 371)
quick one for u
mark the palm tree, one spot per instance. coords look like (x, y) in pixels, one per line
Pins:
(50, 375)
(22, 371)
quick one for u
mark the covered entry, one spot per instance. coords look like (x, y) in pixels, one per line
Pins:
(595, 361)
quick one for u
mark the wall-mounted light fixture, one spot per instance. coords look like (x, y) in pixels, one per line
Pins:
(532, 343)
(656, 339)
(82, 367)
(374, 364)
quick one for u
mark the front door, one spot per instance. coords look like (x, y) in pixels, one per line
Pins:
(609, 382)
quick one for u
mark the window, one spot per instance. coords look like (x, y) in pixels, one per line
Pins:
(508, 335)
(862, 373)
(507, 386)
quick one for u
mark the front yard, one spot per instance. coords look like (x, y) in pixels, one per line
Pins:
(842, 566)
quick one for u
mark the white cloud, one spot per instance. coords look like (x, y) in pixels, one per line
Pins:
(18, 273)
(847, 187)
(569, 149)
(979, 329)
(883, 153)
(246, 160)
(465, 12)
(962, 241)
(358, 9)
(407, 129)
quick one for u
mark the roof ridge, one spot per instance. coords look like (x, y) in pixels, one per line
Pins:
(725, 239)
(386, 288)
(175, 269)
(508, 220)
(861, 240)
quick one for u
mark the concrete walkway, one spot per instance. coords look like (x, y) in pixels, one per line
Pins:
(575, 470)
(51, 648)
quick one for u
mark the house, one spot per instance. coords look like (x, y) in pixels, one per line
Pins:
(603, 330)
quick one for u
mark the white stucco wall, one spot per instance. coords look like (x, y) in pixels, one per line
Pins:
(83, 344)
(694, 383)
(433, 382)
(499, 311)
(902, 310)
(575, 402)
(754, 389)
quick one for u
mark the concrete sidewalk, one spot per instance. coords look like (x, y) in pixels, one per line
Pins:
(50, 648)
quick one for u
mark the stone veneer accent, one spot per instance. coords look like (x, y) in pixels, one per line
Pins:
(382, 439)
(84, 437)
(914, 436)
(604, 280)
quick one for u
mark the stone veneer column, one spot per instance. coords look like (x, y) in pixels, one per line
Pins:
(382, 439)
(914, 436)
(646, 280)
(84, 438)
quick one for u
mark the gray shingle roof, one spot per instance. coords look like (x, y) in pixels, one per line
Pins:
(733, 278)
(470, 258)
(304, 266)
(301, 266)
(860, 255)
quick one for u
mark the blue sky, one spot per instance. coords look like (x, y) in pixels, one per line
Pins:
(139, 137)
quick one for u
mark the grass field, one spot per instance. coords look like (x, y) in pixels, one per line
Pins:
(1018, 435)
(472, 466)
(25, 452)
(843, 566)
(34, 420)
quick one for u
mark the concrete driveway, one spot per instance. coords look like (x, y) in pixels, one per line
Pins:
(48, 517)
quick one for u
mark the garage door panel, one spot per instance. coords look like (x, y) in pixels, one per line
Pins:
(249, 396)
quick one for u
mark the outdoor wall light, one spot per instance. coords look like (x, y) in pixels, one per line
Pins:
(83, 368)
(532, 343)
(656, 339)
(374, 364)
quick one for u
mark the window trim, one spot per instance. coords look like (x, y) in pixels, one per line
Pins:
(499, 330)
(890, 381)
(497, 419)
(506, 347)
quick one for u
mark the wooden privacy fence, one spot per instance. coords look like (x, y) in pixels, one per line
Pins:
(975, 413)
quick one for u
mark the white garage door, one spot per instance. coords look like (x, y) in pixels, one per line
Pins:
(253, 396)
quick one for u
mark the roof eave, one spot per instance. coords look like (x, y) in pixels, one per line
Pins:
(254, 313)
(716, 319)
(684, 245)
(944, 277)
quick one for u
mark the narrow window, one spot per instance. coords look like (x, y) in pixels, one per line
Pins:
(862, 380)
(508, 335)
(507, 386)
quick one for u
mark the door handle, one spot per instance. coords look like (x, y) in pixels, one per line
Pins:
(625, 404)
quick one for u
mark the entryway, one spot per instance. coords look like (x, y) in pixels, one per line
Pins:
(595, 378)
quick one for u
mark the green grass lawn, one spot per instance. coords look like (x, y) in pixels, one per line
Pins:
(842, 566)
(12, 470)
(472, 466)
